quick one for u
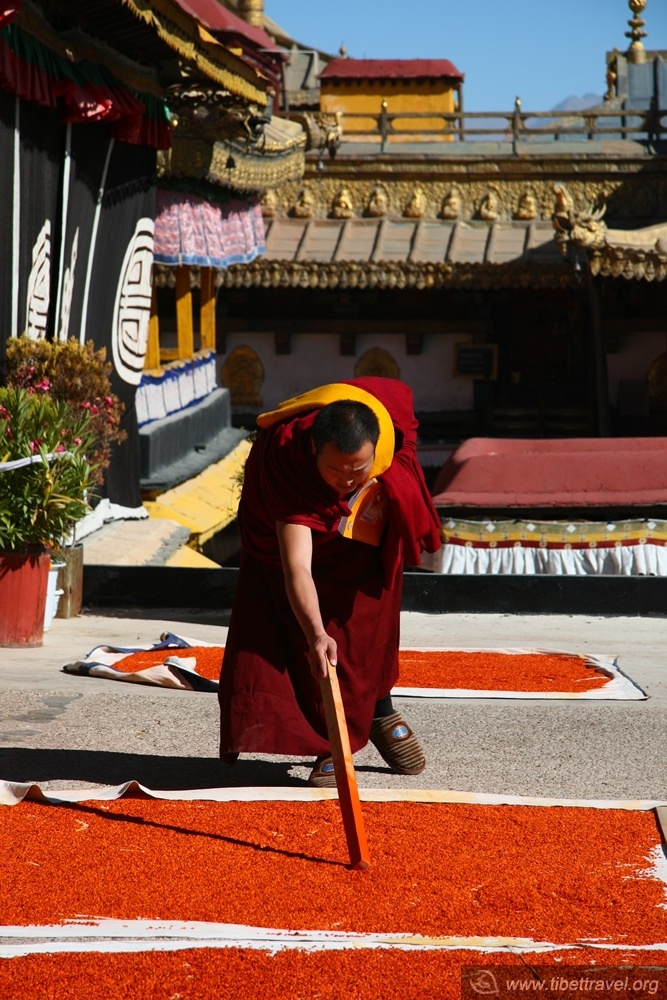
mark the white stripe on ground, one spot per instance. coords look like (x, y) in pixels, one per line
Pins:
(148, 935)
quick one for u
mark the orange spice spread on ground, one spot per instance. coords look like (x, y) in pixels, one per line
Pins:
(493, 671)
(209, 659)
(485, 671)
(245, 974)
(559, 874)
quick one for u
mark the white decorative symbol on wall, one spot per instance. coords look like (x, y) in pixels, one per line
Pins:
(132, 308)
(39, 285)
(68, 287)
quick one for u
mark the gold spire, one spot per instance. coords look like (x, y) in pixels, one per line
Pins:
(252, 11)
(636, 53)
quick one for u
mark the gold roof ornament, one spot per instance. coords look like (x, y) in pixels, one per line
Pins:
(378, 203)
(341, 207)
(527, 208)
(639, 254)
(582, 228)
(269, 204)
(252, 11)
(304, 207)
(416, 206)
(489, 210)
(636, 52)
(452, 205)
(275, 159)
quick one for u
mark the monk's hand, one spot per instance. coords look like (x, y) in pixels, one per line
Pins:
(321, 649)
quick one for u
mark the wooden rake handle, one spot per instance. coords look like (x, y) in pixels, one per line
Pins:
(346, 781)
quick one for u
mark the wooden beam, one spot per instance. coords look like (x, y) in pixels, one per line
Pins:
(184, 330)
(207, 309)
(348, 343)
(282, 342)
(266, 322)
(599, 361)
(414, 342)
(153, 347)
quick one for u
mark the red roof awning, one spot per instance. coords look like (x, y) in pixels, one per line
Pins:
(492, 473)
(390, 69)
(219, 20)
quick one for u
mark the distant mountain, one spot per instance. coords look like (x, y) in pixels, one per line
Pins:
(573, 103)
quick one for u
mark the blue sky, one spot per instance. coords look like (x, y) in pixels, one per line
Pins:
(540, 50)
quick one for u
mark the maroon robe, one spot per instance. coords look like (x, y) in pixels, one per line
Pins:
(269, 700)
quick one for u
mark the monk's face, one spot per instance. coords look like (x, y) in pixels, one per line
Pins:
(342, 472)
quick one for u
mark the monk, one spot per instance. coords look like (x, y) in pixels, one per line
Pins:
(333, 503)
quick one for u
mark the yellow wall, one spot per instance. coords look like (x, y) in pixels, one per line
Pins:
(359, 97)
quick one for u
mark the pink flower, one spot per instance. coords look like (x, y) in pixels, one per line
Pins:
(77, 441)
(59, 447)
(4, 414)
(34, 445)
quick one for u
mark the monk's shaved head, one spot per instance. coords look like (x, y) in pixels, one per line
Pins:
(347, 425)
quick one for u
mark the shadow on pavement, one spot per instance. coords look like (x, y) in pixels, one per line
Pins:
(157, 773)
(198, 616)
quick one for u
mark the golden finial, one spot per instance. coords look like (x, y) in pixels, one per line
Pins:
(252, 12)
(636, 53)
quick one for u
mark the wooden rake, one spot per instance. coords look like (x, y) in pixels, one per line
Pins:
(346, 781)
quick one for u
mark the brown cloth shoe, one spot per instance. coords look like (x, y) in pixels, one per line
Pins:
(323, 775)
(397, 744)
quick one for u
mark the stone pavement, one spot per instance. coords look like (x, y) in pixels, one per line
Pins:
(65, 731)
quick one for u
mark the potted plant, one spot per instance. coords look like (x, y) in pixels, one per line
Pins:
(79, 376)
(58, 422)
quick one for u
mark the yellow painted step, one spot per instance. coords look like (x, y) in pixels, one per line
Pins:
(207, 503)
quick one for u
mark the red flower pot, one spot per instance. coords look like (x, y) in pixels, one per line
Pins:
(23, 581)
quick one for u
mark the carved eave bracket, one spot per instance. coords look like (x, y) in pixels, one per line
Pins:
(344, 275)
(579, 229)
(631, 263)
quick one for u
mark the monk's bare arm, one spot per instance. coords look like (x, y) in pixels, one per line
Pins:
(296, 553)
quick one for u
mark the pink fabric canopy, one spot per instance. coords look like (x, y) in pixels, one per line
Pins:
(190, 230)
(486, 473)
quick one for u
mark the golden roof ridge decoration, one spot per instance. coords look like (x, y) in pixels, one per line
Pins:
(263, 273)
(635, 254)
(251, 170)
(623, 260)
(231, 163)
(193, 42)
(458, 198)
(580, 227)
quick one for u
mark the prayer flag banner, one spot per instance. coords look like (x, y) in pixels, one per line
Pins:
(187, 664)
